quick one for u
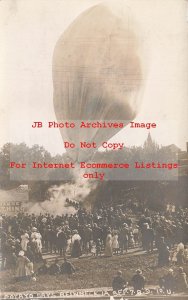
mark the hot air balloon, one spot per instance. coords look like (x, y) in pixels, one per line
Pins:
(97, 74)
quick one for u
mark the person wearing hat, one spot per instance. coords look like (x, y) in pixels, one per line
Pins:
(138, 281)
(55, 269)
(51, 238)
(167, 282)
(87, 237)
(47, 229)
(181, 281)
(124, 238)
(180, 257)
(22, 271)
(96, 232)
(118, 282)
(61, 242)
(76, 247)
(186, 254)
(164, 253)
(67, 267)
(44, 268)
(148, 238)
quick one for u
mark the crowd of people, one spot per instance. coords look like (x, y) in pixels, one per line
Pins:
(105, 232)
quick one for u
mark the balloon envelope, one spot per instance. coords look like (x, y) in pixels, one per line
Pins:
(97, 75)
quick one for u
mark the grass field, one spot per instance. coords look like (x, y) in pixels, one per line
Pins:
(90, 273)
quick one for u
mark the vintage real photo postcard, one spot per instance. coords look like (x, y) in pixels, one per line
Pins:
(94, 149)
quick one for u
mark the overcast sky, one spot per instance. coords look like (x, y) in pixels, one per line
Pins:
(29, 31)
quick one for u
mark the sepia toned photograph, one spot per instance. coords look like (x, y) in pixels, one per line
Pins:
(94, 149)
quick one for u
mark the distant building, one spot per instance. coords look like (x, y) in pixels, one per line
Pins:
(173, 148)
(150, 145)
(183, 162)
(13, 201)
(182, 156)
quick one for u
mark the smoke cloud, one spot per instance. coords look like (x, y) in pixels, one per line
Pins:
(74, 191)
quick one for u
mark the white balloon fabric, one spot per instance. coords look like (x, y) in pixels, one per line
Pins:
(97, 74)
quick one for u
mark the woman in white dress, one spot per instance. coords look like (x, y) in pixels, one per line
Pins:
(37, 246)
(38, 242)
(115, 243)
(34, 233)
(108, 245)
(24, 241)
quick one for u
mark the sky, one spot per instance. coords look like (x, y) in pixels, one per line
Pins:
(29, 31)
